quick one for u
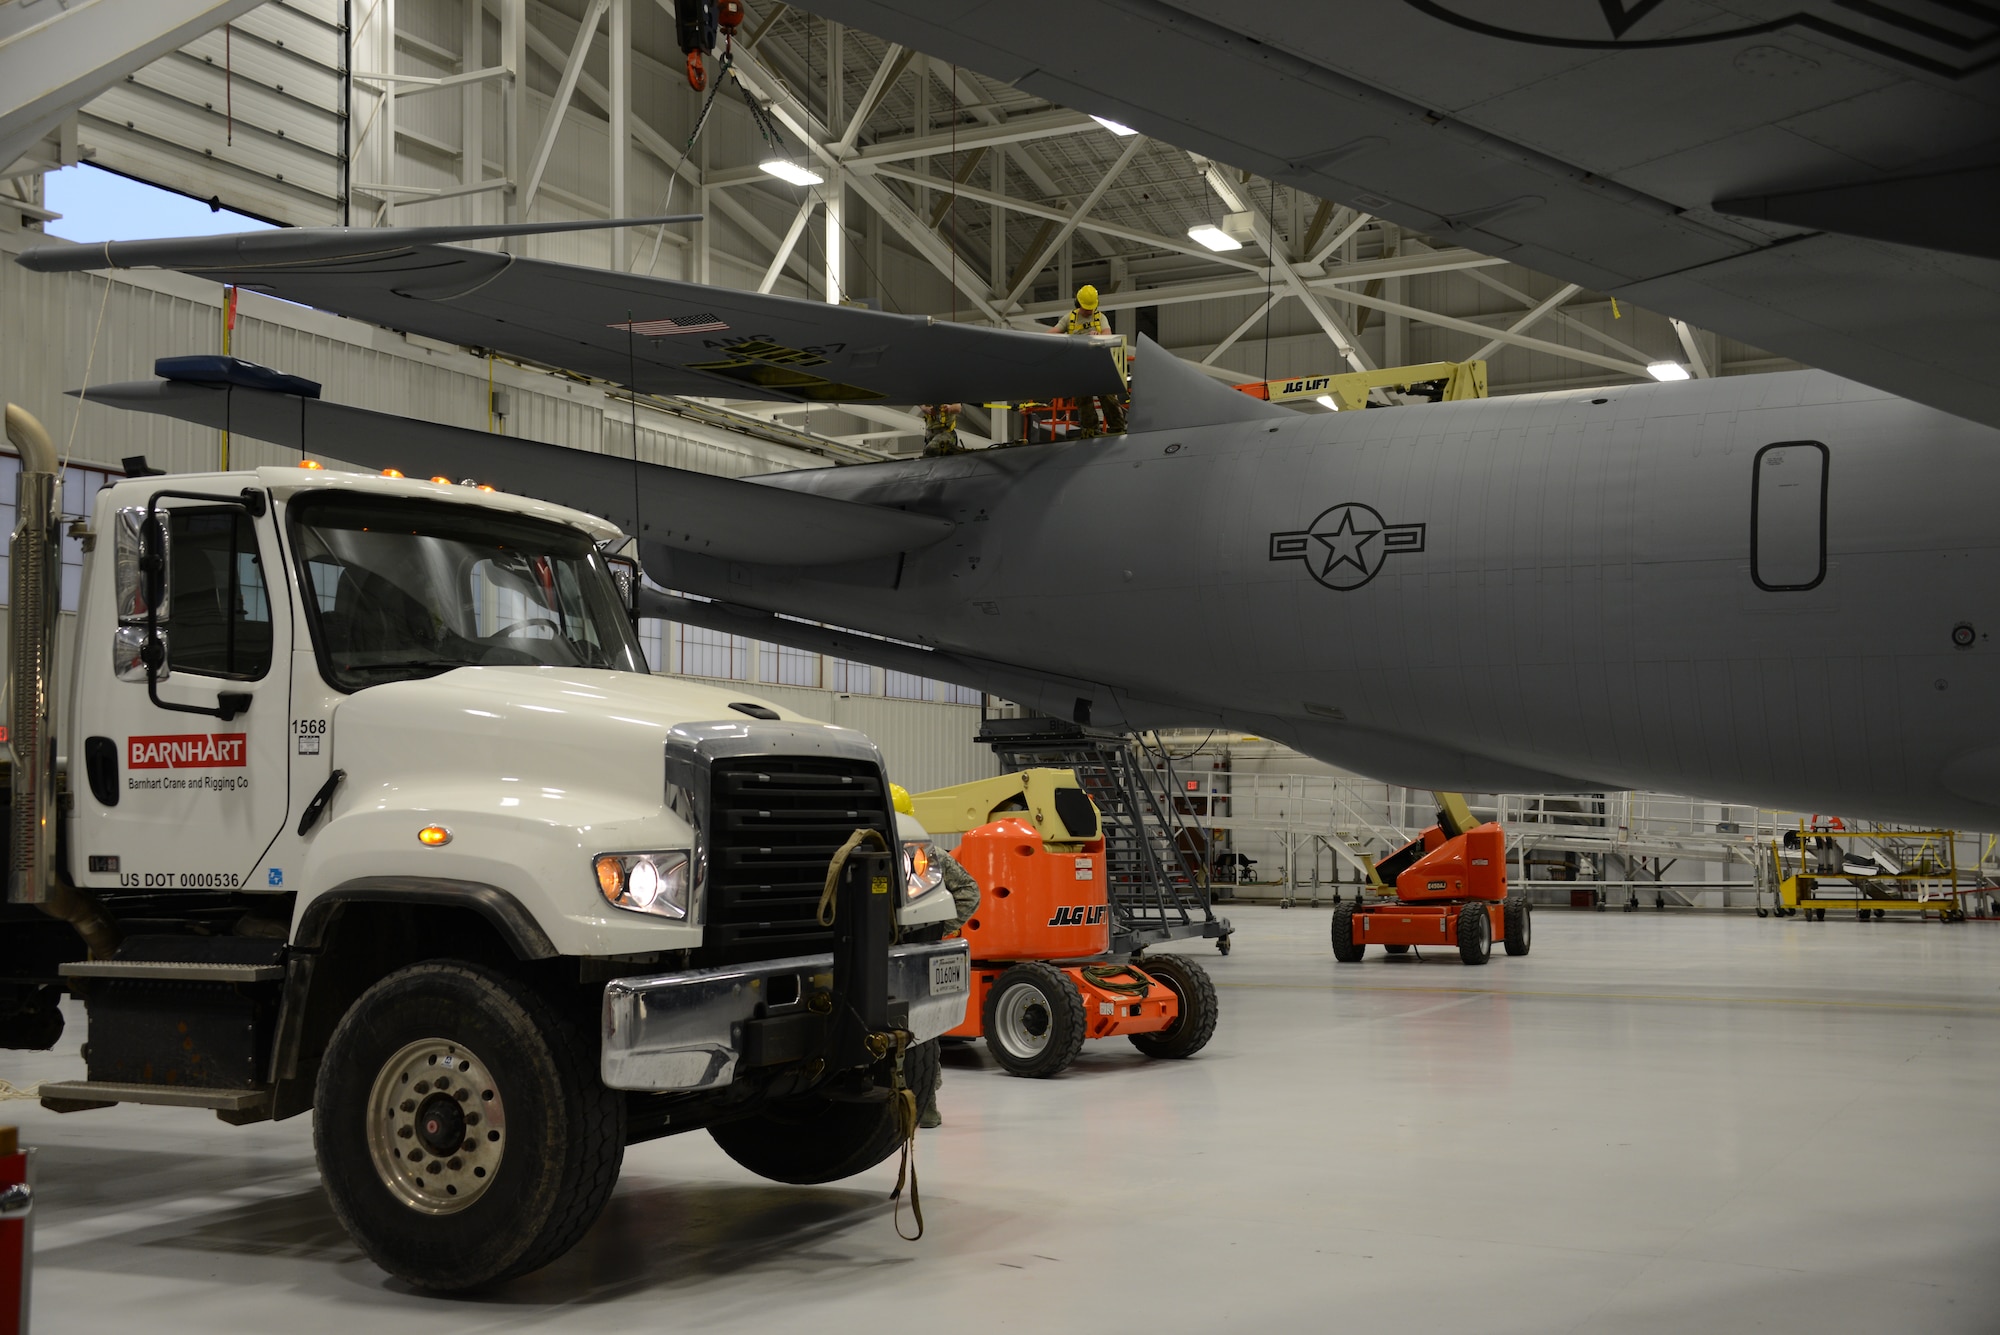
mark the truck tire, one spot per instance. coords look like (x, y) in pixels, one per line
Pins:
(1520, 926)
(462, 1131)
(1475, 933)
(1199, 1008)
(1033, 1020)
(32, 1019)
(1345, 948)
(813, 1139)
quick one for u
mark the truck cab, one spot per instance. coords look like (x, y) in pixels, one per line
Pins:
(359, 798)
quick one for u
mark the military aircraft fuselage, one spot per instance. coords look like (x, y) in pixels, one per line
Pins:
(1774, 589)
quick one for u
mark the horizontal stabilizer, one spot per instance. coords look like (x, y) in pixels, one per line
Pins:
(653, 334)
(717, 516)
(1170, 395)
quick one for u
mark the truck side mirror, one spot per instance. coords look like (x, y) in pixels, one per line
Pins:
(625, 574)
(143, 597)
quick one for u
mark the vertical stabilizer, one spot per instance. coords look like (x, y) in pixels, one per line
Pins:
(1170, 395)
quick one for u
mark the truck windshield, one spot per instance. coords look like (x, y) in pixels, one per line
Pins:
(399, 588)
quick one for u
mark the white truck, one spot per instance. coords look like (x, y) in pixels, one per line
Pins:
(360, 799)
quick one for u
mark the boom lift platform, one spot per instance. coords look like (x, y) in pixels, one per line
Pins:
(1450, 890)
(1155, 871)
(1442, 382)
(1043, 977)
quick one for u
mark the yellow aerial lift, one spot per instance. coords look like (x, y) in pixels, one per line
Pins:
(1461, 380)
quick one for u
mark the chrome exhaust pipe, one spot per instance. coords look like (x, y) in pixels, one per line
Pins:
(37, 597)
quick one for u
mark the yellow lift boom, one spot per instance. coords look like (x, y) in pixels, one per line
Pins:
(1462, 380)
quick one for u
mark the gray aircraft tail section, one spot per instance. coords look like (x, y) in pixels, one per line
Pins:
(1170, 395)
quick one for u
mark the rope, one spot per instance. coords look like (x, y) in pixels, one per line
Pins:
(1105, 976)
(69, 446)
(833, 870)
(905, 1101)
(9, 1091)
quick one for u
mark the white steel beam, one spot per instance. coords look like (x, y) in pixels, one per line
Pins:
(565, 89)
(1696, 362)
(619, 56)
(1031, 270)
(1528, 321)
(1330, 323)
(1229, 341)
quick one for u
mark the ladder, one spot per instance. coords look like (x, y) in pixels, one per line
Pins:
(1156, 880)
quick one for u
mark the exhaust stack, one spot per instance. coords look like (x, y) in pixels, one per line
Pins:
(36, 565)
(36, 568)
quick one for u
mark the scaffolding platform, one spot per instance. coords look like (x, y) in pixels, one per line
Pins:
(1155, 861)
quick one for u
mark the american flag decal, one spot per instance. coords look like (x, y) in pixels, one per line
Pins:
(678, 324)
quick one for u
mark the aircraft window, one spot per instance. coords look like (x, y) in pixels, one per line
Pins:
(1788, 516)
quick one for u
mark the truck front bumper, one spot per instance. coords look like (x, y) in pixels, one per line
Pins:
(688, 1031)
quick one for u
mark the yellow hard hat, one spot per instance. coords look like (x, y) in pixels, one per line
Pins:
(900, 797)
(1086, 297)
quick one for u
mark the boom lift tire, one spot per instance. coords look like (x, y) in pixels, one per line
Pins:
(1398, 948)
(1190, 1032)
(1519, 920)
(1475, 933)
(526, 1092)
(806, 1141)
(1345, 948)
(1033, 1020)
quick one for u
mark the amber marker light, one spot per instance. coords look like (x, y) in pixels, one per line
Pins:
(444, 480)
(433, 836)
(486, 487)
(611, 877)
(392, 472)
(310, 463)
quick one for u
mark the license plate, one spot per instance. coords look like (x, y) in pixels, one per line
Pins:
(947, 975)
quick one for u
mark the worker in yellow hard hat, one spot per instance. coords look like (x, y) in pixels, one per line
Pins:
(965, 901)
(941, 429)
(1085, 318)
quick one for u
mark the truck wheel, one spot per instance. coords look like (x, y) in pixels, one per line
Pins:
(462, 1131)
(1475, 933)
(1199, 1008)
(1033, 1020)
(1520, 926)
(32, 1019)
(1345, 949)
(814, 1139)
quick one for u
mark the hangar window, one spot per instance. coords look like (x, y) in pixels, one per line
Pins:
(1788, 516)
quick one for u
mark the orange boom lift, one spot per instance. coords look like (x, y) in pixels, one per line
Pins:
(1042, 982)
(1450, 890)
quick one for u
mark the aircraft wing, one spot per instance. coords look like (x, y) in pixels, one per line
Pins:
(653, 334)
(1815, 177)
(717, 516)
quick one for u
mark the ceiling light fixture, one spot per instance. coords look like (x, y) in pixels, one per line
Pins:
(1122, 131)
(1208, 234)
(790, 172)
(1667, 371)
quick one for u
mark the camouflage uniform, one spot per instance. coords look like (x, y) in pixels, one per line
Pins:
(941, 430)
(1081, 321)
(965, 896)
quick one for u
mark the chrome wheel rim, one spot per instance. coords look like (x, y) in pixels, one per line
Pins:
(1023, 1019)
(437, 1127)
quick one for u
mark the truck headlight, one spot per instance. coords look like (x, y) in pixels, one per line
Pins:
(655, 883)
(922, 872)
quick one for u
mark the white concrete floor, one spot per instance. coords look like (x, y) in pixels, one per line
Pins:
(1652, 1123)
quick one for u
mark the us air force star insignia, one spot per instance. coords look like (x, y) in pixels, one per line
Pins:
(1346, 545)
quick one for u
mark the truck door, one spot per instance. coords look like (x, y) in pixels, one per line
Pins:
(178, 798)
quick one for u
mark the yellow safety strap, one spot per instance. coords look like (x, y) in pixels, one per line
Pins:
(833, 869)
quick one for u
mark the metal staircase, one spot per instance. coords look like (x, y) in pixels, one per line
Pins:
(1154, 860)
